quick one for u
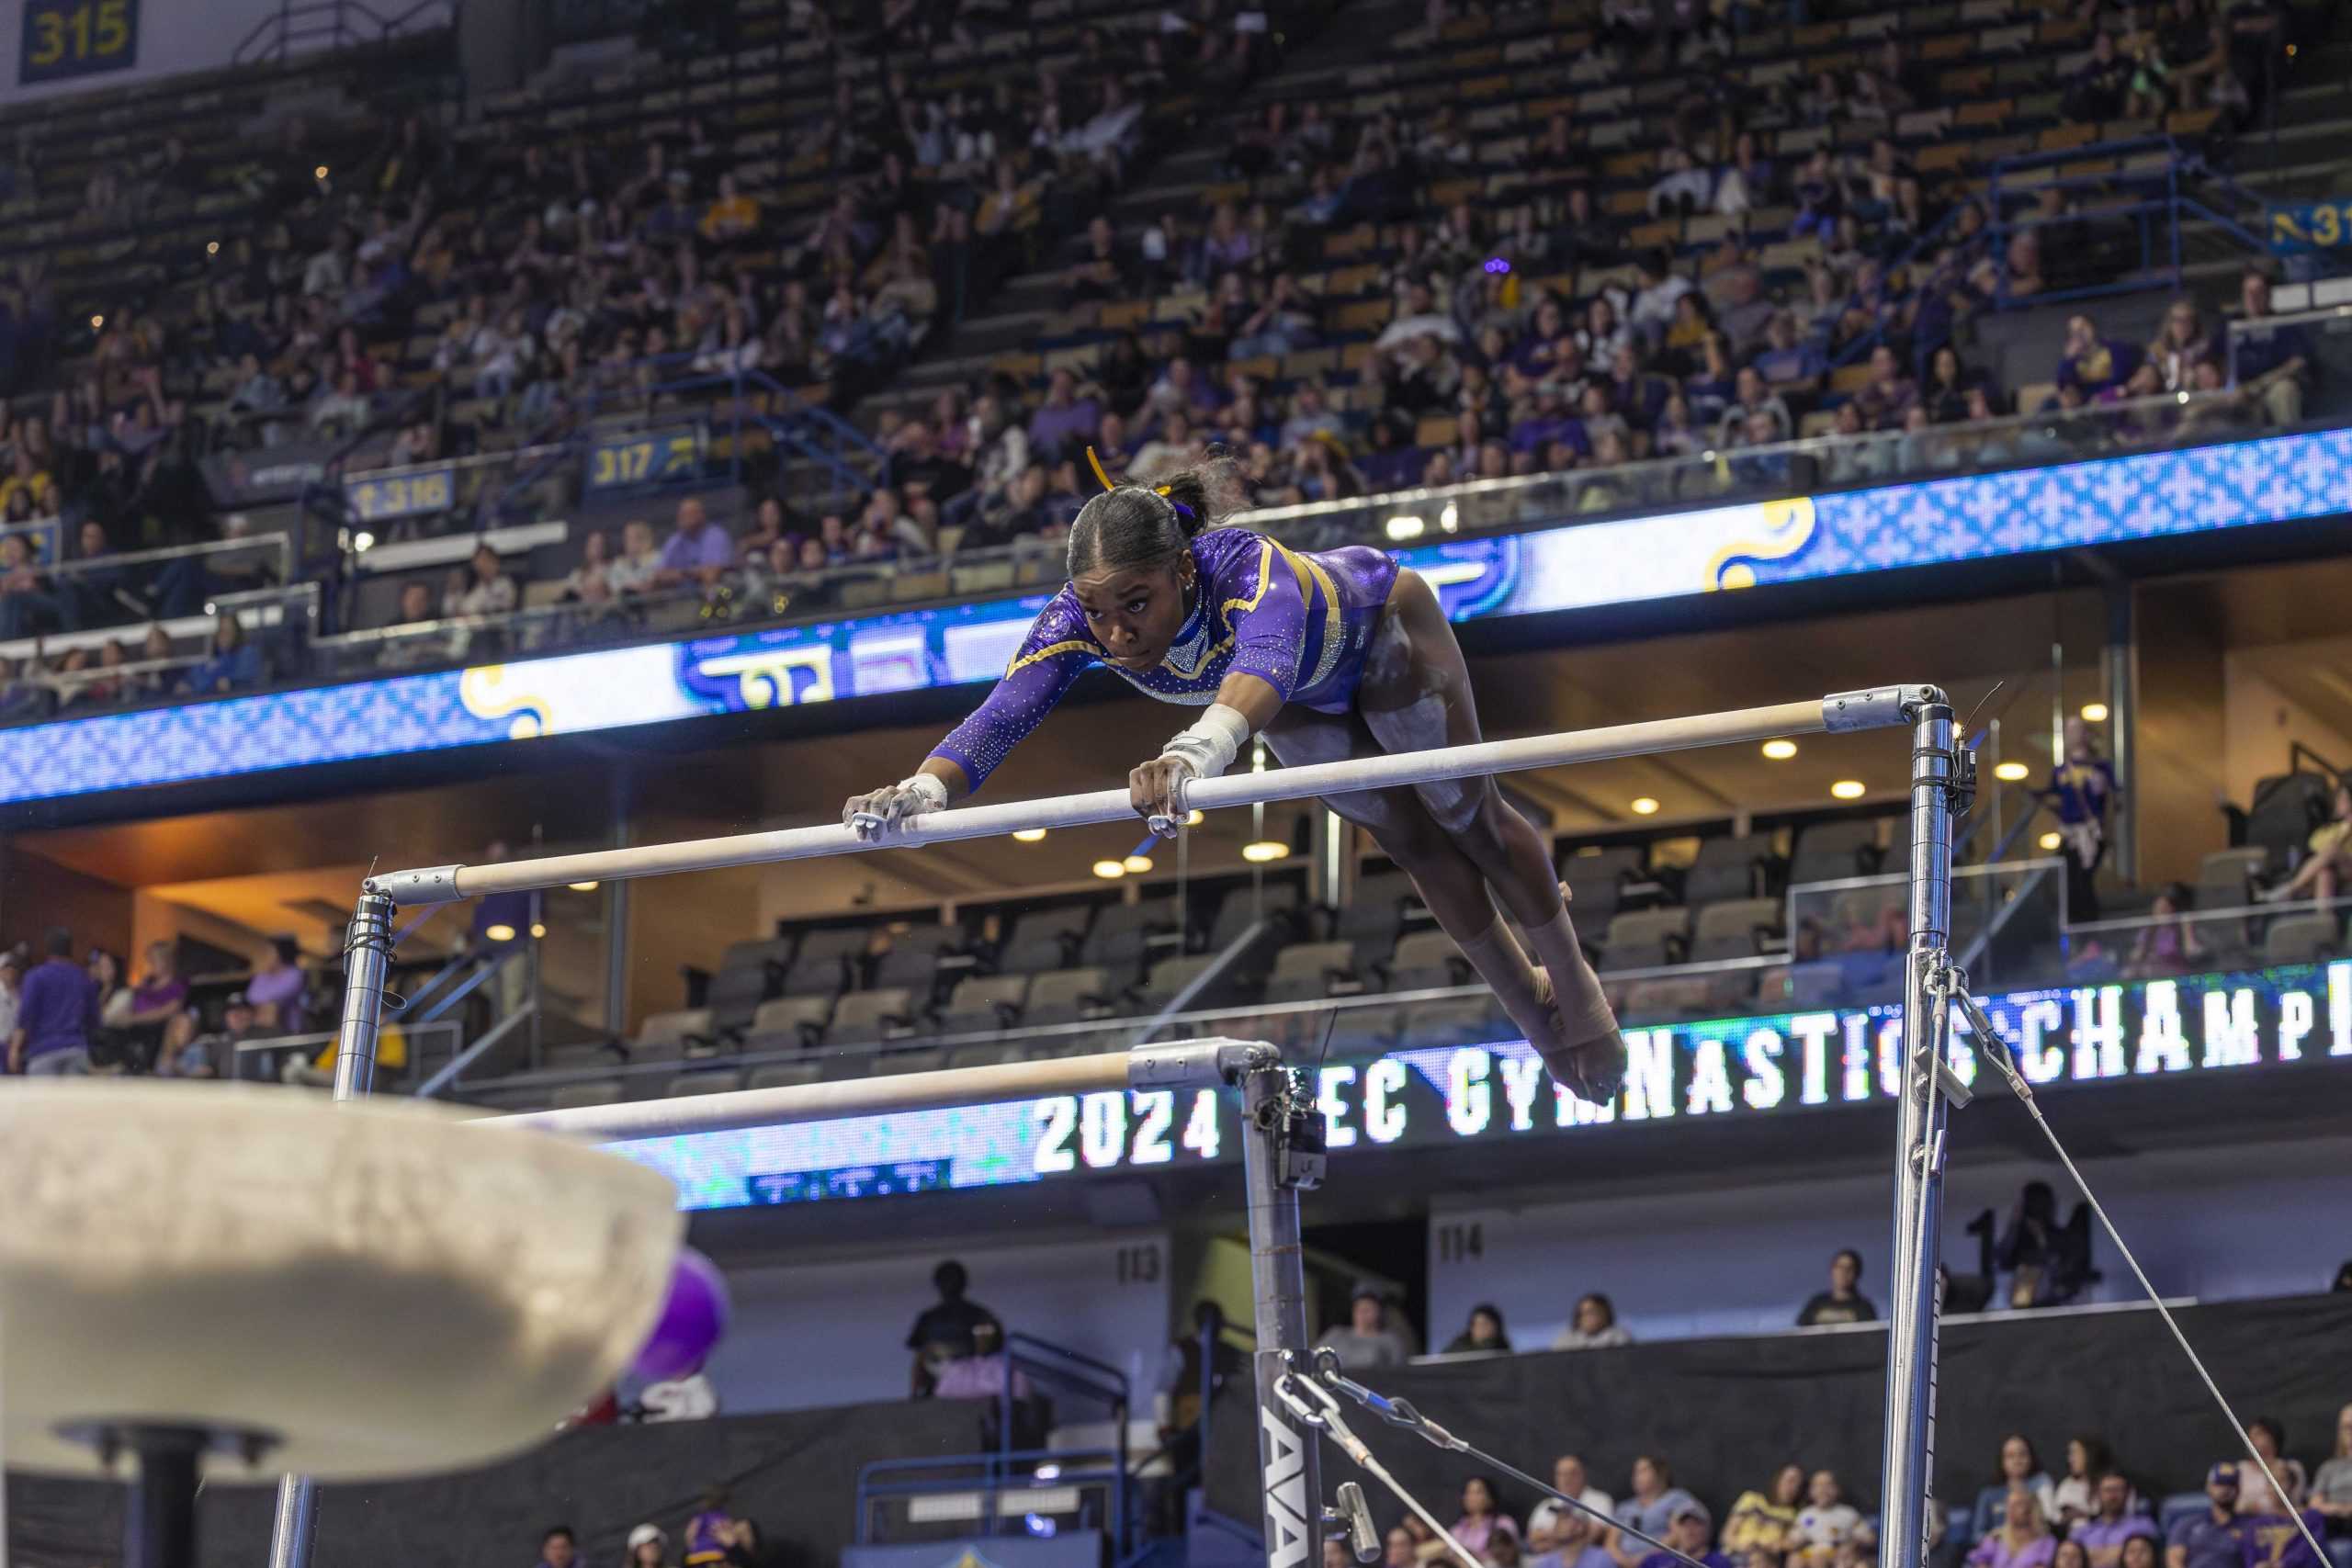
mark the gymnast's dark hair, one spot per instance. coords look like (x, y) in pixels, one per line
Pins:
(1145, 525)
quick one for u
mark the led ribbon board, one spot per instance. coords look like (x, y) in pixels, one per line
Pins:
(1628, 560)
(1684, 1079)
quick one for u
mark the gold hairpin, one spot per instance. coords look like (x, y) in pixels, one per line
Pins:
(1096, 463)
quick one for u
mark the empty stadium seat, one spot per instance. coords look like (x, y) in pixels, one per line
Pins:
(925, 1061)
(775, 954)
(1426, 960)
(1044, 939)
(1307, 970)
(1122, 937)
(1829, 852)
(2225, 878)
(735, 995)
(864, 1017)
(1725, 869)
(789, 1022)
(1733, 928)
(1066, 995)
(1638, 939)
(1374, 911)
(782, 1075)
(822, 974)
(1278, 901)
(2301, 939)
(2284, 811)
(983, 1003)
(1596, 881)
(670, 1033)
(1168, 979)
(913, 959)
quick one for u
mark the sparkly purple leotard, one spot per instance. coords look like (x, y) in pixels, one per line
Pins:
(1298, 621)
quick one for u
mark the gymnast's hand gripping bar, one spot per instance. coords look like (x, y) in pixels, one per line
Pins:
(1877, 708)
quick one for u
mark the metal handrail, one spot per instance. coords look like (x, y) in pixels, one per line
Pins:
(118, 559)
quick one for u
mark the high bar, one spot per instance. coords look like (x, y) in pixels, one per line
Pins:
(1878, 707)
(1184, 1064)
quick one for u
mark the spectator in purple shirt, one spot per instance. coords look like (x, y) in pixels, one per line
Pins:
(276, 988)
(2214, 1538)
(2023, 1541)
(700, 551)
(56, 1009)
(2103, 1536)
(2095, 364)
(1064, 422)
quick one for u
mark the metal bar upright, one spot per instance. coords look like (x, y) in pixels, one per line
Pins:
(1289, 1469)
(366, 954)
(1915, 1301)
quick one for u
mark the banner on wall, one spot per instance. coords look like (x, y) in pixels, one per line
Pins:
(1630, 561)
(1684, 1081)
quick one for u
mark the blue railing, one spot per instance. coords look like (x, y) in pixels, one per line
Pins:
(2158, 197)
(1011, 1469)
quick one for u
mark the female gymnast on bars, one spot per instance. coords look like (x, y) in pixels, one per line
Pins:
(1329, 655)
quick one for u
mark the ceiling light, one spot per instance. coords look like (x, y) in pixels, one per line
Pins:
(1405, 526)
(539, 931)
(212, 247)
(1028, 835)
(1645, 806)
(1109, 870)
(2049, 841)
(581, 886)
(96, 321)
(2094, 713)
(1847, 789)
(1779, 751)
(2011, 773)
(321, 172)
(1137, 864)
(500, 932)
(1264, 849)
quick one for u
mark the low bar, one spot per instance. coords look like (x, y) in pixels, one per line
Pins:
(1191, 1064)
(1874, 708)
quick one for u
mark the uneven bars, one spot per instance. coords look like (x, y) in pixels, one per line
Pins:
(1876, 708)
(1187, 1064)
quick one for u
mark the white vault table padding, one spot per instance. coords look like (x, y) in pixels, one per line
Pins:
(389, 1288)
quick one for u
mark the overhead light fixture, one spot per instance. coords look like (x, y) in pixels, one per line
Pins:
(1779, 751)
(1264, 849)
(1136, 864)
(581, 886)
(1645, 806)
(1848, 789)
(212, 247)
(2049, 840)
(96, 321)
(2094, 713)
(1109, 870)
(1027, 835)
(539, 931)
(321, 172)
(2011, 773)
(1405, 526)
(499, 932)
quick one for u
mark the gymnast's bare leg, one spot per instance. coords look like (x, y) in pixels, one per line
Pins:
(1459, 843)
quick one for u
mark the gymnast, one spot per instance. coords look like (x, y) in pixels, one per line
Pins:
(1329, 655)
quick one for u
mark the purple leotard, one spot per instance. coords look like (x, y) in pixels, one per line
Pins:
(1298, 621)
